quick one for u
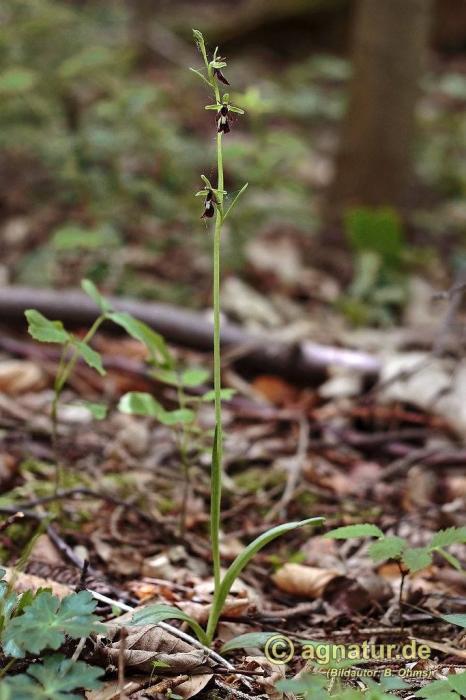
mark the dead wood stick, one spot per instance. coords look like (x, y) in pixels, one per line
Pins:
(305, 362)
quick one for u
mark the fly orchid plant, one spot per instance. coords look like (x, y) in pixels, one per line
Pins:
(213, 206)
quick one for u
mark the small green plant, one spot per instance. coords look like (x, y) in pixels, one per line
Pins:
(409, 559)
(35, 631)
(47, 331)
(394, 547)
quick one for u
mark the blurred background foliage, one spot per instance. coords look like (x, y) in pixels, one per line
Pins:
(103, 143)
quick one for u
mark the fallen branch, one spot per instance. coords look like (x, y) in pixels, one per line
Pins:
(305, 362)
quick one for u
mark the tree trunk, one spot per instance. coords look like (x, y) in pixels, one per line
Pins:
(374, 165)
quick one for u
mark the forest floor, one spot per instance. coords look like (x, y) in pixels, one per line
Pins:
(382, 446)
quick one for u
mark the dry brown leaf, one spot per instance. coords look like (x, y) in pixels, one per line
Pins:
(272, 674)
(305, 581)
(19, 376)
(147, 645)
(275, 390)
(27, 582)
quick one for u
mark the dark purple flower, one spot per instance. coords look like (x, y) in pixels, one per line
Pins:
(223, 117)
(218, 73)
(209, 202)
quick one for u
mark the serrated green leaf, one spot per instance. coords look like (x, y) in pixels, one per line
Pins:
(46, 621)
(444, 538)
(363, 530)
(416, 559)
(40, 328)
(244, 641)
(90, 289)
(157, 613)
(387, 548)
(457, 619)
(91, 357)
(155, 344)
(59, 674)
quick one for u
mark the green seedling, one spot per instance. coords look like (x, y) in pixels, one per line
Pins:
(409, 559)
(73, 349)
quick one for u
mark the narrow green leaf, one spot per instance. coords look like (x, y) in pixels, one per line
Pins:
(245, 641)
(157, 613)
(90, 289)
(201, 76)
(91, 357)
(457, 619)
(44, 330)
(346, 533)
(453, 561)
(235, 200)
(242, 559)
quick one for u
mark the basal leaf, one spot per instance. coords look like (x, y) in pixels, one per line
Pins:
(157, 613)
(363, 530)
(457, 619)
(44, 330)
(244, 641)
